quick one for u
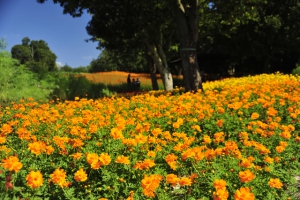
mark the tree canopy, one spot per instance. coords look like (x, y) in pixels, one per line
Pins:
(35, 54)
(258, 35)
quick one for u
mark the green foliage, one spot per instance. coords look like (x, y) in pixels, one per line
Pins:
(80, 69)
(110, 60)
(35, 55)
(17, 82)
(296, 71)
(66, 68)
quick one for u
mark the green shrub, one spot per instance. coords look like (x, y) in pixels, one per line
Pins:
(296, 71)
(17, 82)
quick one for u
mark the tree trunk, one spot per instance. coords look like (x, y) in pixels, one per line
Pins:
(161, 65)
(153, 77)
(186, 12)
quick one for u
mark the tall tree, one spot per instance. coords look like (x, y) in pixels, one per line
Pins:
(127, 24)
(36, 55)
(187, 18)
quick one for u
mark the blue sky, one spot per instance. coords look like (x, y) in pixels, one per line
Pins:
(64, 34)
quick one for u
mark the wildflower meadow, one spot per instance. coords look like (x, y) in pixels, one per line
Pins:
(239, 139)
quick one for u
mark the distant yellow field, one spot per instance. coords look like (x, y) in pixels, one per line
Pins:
(118, 77)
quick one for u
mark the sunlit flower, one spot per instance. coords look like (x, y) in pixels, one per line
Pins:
(172, 179)
(59, 177)
(275, 183)
(123, 159)
(34, 179)
(185, 181)
(244, 193)
(220, 194)
(104, 159)
(219, 184)
(254, 116)
(116, 133)
(151, 154)
(246, 176)
(150, 184)
(12, 164)
(80, 175)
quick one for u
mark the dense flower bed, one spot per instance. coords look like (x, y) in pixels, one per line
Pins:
(239, 140)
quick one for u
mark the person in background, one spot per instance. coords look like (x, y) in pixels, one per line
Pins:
(133, 84)
(137, 84)
(129, 82)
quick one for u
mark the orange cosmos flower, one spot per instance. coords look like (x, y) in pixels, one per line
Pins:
(171, 157)
(151, 154)
(272, 112)
(2, 140)
(221, 194)
(206, 139)
(219, 184)
(220, 123)
(6, 129)
(150, 184)
(76, 156)
(95, 165)
(156, 132)
(172, 179)
(147, 164)
(116, 133)
(185, 181)
(286, 135)
(34, 179)
(197, 128)
(280, 149)
(275, 183)
(12, 163)
(104, 159)
(244, 193)
(254, 116)
(219, 137)
(80, 175)
(123, 159)
(59, 177)
(37, 147)
(268, 159)
(246, 176)
(49, 150)
(131, 195)
(92, 158)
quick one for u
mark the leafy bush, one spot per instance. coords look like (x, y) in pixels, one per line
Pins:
(296, 71)
(17, 82)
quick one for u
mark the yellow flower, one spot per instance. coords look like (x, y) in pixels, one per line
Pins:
(104, 159)
(12, 163)
(244, 193)
(254, 116)
(59, 177)
(185, 181)
(219, 184)
(275, 183)
(246, 176)
(123, 159)
(80, 175)
(34, 179)
(172, 179)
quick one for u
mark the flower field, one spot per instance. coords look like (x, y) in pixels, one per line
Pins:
(238, 140)
(118, 77)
